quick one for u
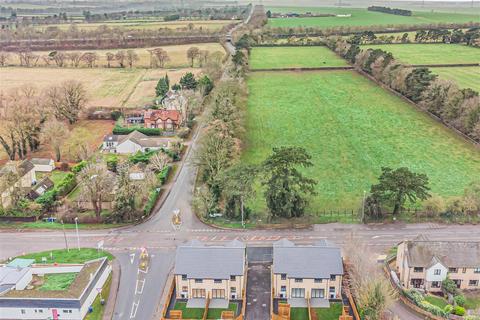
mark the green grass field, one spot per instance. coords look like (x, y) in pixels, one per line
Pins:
(64, 256)
(363, 17)
(294, 57)
(465, 77)
(436, 301)
(61, 281)
(352, 128)
(189, 313)
(439, 53)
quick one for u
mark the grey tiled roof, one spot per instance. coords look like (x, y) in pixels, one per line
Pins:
(450, 253)
(306, 262)
(198, 261)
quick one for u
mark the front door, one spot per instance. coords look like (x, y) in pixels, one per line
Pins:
(298, 293)
(331, 293)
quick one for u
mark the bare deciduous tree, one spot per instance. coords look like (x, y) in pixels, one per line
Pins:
(109, 57)
(95, 183)
(120, 56)
(75, 58)
(159, 161)
(67, 100)
(59, 58)
(89, 58)
(203, 57)
(132, 57)
(27, 57)
(192, 54)
(4, 56)
(55, 133)
(158, 55)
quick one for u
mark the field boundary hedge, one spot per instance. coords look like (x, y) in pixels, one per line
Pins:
(434, 117)
(303, 69)
(448, 65)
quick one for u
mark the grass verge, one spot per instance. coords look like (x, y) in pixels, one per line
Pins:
(71, 256)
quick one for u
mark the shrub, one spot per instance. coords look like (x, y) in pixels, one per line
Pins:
(459, 311)
(119, 130)
(420, 301)
(449, 286)
(141, 157)
(112, 162)
(79, 166)
(163, 175)
(68, 183)
(183, 133)
(152, 200)
(115, 115)
(47, 200)
(448, 308)
(460, 300)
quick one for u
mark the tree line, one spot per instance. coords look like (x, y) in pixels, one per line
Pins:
(30, 117)
(458, 108)
(396, 11)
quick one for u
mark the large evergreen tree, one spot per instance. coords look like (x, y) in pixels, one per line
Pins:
(188, 81)
(162, 87)
(286, 187)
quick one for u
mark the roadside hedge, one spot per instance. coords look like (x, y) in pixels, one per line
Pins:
(119, 130)
(163, 175)
(152, 200)
(417, 298)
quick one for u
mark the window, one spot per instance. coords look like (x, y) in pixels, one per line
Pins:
(217, 281)
(298, 293)
(452, 270)
(198, 293)
(435, 284)
(67, 311)
(218, 293)
(464, 270)
(476, 270)
(298, 280)
(318, 293)
(233, 289)
(198, 281)
(283, 289)
(333, 277)
(41, 310)
(22, 311)
(437, 272)
(473, 283)
(184, 277)
(184, 289)
(284, 276)
(418, 269)
(233, 278)
(318, 280)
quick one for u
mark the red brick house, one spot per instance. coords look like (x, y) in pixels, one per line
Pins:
(167, 120)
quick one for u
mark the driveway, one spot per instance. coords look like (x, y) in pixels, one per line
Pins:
(258, 291)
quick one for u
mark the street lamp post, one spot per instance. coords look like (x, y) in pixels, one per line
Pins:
(363, 206)
(65, 237)
(78, 237)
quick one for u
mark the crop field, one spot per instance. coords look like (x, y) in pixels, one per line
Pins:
(363, 17)
(352, 128)
(144, 92)
(177, 55)
(465, 77)
(439, 53)
(107, 88)
(294, 57)
(146, 24)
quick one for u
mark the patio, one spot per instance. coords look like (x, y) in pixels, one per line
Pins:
(314, 303)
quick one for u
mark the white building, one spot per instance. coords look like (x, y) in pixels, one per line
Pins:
(22, 301)
(134, 142)
(43, 164)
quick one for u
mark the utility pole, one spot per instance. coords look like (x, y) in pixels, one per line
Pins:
(363, 205)
(65, 237)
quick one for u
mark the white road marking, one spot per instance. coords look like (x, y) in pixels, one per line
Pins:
(133, 313)
(132, 258)
(375, 237)
(141, 288)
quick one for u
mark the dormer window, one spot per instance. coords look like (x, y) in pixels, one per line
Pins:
(437, 272)
(418, 269)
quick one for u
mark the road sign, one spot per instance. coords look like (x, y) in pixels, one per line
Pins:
(100, 245)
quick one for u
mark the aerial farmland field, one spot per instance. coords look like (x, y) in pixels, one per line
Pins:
(440, 53)
(465, 77)
(352, 128)
(294, 57)
(363, 17)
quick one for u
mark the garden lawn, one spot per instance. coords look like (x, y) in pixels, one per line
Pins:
(436, 301)
(299, 314)
(64, 256)
(352, 128)
(363, 17)
(294, 57)
(472, 300)
(60, 281)
(332, 313)
(189, 313)
(465, 77)
(217, 313)
(439, 53)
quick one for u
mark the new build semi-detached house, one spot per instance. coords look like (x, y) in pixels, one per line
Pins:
(307, 272)
(216, 272)
(424, 264)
